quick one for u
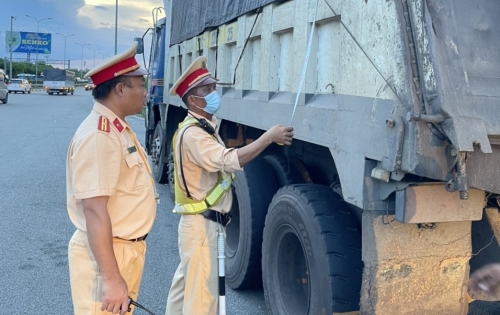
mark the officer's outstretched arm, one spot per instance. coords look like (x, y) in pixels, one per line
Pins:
(277, 134)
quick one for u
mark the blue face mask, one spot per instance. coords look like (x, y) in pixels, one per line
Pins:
(213, 103)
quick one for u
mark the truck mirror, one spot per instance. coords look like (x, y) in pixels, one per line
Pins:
(140, 45)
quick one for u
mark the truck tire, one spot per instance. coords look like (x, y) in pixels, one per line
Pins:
(254, 188)
(170, 169)
(159, 169)
(288, 171)
(148, 139)
(311, 253)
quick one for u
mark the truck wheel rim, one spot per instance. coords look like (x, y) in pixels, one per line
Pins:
(292, 274)
(171, 171)
(155, 150)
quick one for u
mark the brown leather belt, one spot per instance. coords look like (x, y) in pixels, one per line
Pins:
(142, 238)
(217, 217)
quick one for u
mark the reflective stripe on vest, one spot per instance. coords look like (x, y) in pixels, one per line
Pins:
(185, 205)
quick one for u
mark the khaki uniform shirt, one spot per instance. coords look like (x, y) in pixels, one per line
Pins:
(202, 158)
(105, 159)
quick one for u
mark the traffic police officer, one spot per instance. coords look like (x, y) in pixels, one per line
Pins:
(203, 168)
(110, 192)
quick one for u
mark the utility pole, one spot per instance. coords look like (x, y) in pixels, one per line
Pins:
(65, 36)
(10, 46)
(81, 66)
(37, 40)
(116, 27)
(94, 50)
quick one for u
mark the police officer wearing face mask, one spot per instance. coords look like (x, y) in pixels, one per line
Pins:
(203, 175)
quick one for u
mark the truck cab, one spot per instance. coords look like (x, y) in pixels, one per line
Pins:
(153, 109)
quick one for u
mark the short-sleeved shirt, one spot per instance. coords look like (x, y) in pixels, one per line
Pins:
(105, 159)
(202, 158)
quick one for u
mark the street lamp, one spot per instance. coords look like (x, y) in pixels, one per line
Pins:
(116, 26)
(65, 36)
(37, 40)
(103, 54)
(10, 46)
(81, 66)
(94, 50)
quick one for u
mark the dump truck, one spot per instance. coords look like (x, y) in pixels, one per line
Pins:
(388, 197)
(60, 81)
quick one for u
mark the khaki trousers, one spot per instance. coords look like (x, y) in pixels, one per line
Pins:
(195, 286)
(85, 278)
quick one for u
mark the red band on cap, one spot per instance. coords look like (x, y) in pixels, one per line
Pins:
(190, 80)
(114, 70)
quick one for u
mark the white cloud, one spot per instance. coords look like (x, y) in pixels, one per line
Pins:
(133, 15)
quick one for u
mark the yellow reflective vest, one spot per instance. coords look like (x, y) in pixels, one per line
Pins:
(185, 205)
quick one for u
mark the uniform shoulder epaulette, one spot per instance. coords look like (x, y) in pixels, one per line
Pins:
(103, 124)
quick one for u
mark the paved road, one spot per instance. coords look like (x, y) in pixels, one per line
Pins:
(35, 131)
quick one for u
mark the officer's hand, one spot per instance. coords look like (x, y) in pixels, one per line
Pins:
(485, 279)
(281, 134)
(115, 296)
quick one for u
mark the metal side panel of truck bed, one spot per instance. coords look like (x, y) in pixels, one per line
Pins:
(425, 103)
(460, 70)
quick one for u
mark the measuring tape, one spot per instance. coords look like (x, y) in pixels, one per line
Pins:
(306, 61)
(304, 67)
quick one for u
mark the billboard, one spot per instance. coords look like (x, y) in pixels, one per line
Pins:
(29, 42)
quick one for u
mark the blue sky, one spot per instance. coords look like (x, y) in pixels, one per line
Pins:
(92, 22)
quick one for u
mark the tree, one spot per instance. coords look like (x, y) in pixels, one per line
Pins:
(22, 67)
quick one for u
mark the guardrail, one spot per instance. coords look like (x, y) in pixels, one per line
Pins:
(39, 87)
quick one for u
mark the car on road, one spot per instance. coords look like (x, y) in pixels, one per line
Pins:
(89, 86)
(19, 85)
(4, 90)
